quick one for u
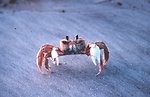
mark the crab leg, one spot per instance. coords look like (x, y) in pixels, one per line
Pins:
(100, 66)
(40, 56)
(46, 63)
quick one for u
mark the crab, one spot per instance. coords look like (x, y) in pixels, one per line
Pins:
(98, 52)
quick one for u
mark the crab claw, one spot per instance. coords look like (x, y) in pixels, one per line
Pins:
(55, 56)
(103, 46)
(98, 52)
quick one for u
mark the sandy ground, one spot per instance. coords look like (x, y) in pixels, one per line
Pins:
(125, 28)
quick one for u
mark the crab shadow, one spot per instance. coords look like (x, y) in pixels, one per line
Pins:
(83, 73)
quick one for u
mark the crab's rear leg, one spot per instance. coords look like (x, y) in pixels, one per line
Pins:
(46, 64)
(100, 66)
(39, 64)
(101, 63)
(48, 68)
(39, 60)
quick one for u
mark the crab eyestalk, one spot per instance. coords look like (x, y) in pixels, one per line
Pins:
(64, 44)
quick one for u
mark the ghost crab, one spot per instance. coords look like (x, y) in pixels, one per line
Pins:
(98, 52)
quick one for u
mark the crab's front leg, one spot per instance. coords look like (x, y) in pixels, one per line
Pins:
(101, 65)
(48, 68)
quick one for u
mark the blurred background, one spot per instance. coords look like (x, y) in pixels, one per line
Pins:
(124, 25)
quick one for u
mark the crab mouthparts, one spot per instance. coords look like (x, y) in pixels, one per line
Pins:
(72, 47)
